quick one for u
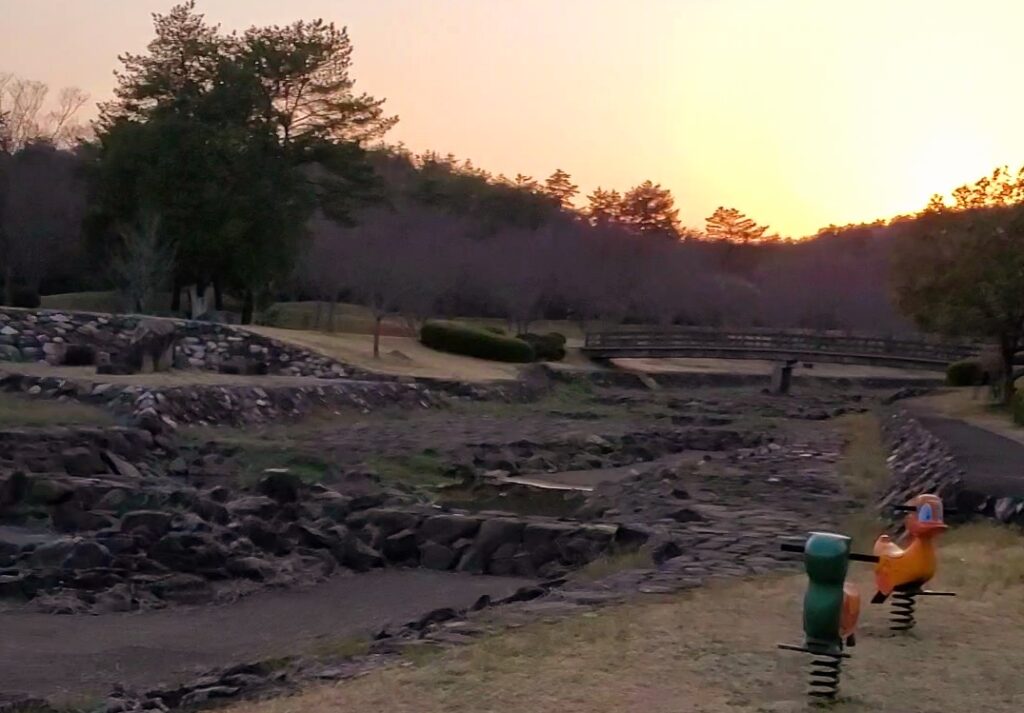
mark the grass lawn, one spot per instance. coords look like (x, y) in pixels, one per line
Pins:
(399, 355)
(17, 410)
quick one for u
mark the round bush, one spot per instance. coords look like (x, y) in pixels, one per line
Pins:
(25, 297)
(459, 338)
(967, 372)
(547, 347)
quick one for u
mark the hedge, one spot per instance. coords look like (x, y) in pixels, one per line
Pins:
(547, 347)
(967, 372)
(459, 338)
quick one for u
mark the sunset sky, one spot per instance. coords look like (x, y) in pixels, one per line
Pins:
(798, 112)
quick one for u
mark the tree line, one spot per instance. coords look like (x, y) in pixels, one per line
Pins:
(248, 162)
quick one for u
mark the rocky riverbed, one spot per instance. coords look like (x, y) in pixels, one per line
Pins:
(681, 484)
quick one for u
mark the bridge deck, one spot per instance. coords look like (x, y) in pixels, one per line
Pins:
(827, 347)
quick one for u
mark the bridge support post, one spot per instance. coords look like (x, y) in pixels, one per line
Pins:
(782, 377)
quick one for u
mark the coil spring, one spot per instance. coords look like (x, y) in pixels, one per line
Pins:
(901, 616)
(824, 679)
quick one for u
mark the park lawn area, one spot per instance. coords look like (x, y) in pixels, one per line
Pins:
(402, 356)
(713, 650)
(109, 302)
(22, 411)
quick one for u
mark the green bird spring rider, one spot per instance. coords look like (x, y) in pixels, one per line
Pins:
(831, 608)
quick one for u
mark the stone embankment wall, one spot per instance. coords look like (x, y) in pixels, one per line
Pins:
(32, 336)
(921, 463)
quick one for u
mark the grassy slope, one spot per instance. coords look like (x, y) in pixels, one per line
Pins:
(22, 411)
(713, 650)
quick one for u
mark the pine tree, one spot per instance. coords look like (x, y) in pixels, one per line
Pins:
(729, 225)
(560, 187)
(650, 209)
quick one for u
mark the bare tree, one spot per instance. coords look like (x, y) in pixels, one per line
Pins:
(393, 262)
(22, 104)
(140, 266)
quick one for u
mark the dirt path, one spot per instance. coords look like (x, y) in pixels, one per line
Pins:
(81, 656)
(992, 464)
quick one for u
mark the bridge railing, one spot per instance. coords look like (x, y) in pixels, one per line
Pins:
(779, 342)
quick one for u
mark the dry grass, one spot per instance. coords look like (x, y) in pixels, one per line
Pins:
(23, 411)
(402, 356)
(714, 651)
(757, 366)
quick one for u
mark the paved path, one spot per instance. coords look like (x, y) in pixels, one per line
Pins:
(75, 656)
(992, 464)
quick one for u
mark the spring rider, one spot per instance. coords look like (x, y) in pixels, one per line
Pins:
(831, 608)
(903, 569)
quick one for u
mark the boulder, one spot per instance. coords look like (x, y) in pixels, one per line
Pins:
(70, 517)
(183, 589)
(280, 485)
(120, 466)
(255, 505)
(250, 568)
(13, 488)
(87, 555)
(401, 547)
(355, 554)
(154, 522)
(52, 554)
(83, 462)
(445, 529)
(437, 556)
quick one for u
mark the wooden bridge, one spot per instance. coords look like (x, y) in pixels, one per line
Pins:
(777, 345)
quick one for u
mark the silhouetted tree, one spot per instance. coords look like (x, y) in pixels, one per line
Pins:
(604, 206)
(560, 187)
(23, 119)
(649, 209)
(729, 225)
(960, 271)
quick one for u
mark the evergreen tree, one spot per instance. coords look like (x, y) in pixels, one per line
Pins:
(729, 225)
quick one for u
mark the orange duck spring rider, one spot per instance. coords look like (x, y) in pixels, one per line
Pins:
(903, 569)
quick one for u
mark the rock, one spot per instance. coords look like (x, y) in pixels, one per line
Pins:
(250, 568)
(52, 554)
(183, 589)
(203, 695)
(256, 505)
(355, 554)
(69, 517)
(437, 556)
(388, 521)
(280, 485)
(502, 560)
(154, 522)
(44, 491)
(12, 587)
(13, 488)
(150, 420)
(445, 529)
(120, 466)
(116, 599)
(493, 534)
(263, 535)
(83, 462)
(401, 547)
(87, 555)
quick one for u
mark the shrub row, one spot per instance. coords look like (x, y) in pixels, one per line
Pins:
(459, 338)
(967, 372)
(547, 347)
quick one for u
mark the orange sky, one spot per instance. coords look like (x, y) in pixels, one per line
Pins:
(798, 112)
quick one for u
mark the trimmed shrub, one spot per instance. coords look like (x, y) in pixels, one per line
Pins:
(495, 330)
(547, 347)
(967, 372)
(79, 355)
(1017, 408)
(25, 297)
(459, 338)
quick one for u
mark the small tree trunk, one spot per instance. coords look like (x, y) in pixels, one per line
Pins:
(316, 314)
(376, 335)
(218, 296)
(9, 285)
(330, 315)
(1008, 352)
(248, 306)
(197, 300)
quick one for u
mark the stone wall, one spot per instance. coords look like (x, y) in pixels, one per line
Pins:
(921, 463)
(32, 336)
